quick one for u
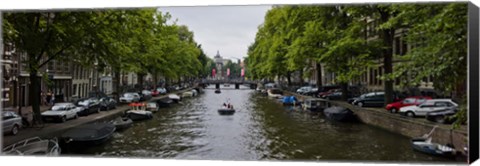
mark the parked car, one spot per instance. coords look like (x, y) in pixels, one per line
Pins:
(90, 105)
(130, 97)
(162, 91)
(312, 92)
(145, 95)
(61, 112)
(304, 90)
(414, 100)
(325, 93)
(442, 116)
(372, 99)
(107, 103)
(11, 122)
(155, 92)
(275, 93)
(337, 95)
(428, 106)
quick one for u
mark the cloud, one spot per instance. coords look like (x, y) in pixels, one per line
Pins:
(229, 29)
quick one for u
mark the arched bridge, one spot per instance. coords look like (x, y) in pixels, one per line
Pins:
(236, 82)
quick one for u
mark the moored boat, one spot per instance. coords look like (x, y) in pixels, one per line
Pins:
(315, 105)
(174, 97)
(87, 135)
(122, 123)
(339, 114)
(187, 94)
(139, 112)
(289, 100)
(426, 145)
(34, 146)
(165, 102)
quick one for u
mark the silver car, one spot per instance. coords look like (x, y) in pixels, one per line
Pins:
(11, 122)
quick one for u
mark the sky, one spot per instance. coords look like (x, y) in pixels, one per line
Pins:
(228, 29)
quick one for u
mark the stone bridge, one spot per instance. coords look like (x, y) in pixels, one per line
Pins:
(236, 82)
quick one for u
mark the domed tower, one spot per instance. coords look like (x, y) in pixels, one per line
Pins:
(219, 65)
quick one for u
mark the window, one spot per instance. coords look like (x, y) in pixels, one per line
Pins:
(421, 100)
(397, 46)
(409, 101)
(441, 104)
(74, 89)
(404, 47)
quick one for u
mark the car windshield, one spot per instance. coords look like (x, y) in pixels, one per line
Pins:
(59, 108)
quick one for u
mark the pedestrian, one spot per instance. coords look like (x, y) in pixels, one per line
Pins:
(49, 97)
(52, 101)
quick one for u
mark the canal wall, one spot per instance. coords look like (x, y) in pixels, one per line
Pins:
(410, 127)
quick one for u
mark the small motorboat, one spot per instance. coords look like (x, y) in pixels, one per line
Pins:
(174, 97)
(194, 92)
(187, 94)
(122, 123)
(165, 102)
(152, 106)
(290, 100)
(139, 112)
(218, 91)
(87, 135)
(339, 114)
(426, 145)
(315, 105)
(34, 146)
(226, 111)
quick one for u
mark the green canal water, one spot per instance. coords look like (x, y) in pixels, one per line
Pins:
(261, 129)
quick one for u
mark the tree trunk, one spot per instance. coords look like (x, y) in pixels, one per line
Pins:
(155, 80)
(140, 79)
(35, 95)
(289, 79)
(301, 78)
(319, 74)
(116, 84)
(387, 58)
(344, 87)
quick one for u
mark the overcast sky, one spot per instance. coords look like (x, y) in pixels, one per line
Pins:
(229, 29)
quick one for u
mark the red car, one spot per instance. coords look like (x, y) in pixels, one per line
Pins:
(155, 92)
(413, 100)
(324, 94)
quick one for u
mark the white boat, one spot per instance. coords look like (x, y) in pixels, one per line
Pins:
(34, 146)
(187, 94)
(174, 97)
(195, 92)
(139, 112)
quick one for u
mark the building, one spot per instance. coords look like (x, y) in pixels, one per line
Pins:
(10, 75)
(219, 63)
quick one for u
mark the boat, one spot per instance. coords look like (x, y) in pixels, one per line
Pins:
(165, 102)
(315, 105)
(122, 123)
(34, 146)
(152, 106)
(174, 97)
(194, 92)
(290, 100)
(139, 112)
(339, 114)
(424, 144)
(217, 91)
(187, 94)
(226, 111)
(87, 135)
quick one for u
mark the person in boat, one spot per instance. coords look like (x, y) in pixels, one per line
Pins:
(228, 105)
(225, 105)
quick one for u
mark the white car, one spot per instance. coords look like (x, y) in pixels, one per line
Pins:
(61, 112)
(162, 90)
(130, 97)
(428, 106)
(304, 89)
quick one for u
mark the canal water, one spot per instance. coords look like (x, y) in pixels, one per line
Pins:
(261, 129)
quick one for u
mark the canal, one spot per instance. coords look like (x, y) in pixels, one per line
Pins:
(261, 129)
